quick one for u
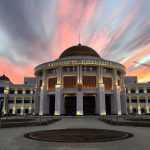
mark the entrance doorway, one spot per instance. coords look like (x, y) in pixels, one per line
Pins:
(70, 105)
(89, 105)
(51, 105)
(108, 104)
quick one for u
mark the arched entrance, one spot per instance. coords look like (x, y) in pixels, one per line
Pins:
(89, 104)
(70, 105)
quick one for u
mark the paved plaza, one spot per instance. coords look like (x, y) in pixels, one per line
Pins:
(13, 138)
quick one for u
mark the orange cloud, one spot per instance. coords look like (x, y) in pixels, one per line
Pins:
(15, 73)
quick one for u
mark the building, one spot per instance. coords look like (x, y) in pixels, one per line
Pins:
(17, 99)
(80, 82)
(138, 96)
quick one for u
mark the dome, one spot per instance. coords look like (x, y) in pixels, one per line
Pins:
(79, 50)
(4, 78)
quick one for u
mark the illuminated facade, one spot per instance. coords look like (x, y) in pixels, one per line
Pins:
(17, 99)
(80, 82)
(138, 96)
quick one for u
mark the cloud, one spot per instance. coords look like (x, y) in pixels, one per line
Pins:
(35, 31)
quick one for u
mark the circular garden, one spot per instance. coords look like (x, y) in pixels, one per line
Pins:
(81, 135)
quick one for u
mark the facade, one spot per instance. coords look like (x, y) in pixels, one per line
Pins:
(138, 96)
(17, 99)
(80, 82)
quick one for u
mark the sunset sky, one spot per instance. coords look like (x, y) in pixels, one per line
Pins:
(36, 31)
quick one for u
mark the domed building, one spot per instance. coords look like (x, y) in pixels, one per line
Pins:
(80, 82)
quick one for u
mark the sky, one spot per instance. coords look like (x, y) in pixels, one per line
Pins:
(37, 31)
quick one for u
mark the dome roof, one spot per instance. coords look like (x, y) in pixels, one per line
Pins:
(79, 50)
(4, 78)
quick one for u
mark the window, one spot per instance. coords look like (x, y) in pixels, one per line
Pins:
(70, 69)
(134, 100)
(27, 101)
(142, 101)
(107, 70)
(26, 111)
(132, 90)
(89, 68)
(18, 111)
(51, 71)
(19, 91)
(148, 100)
(11, 91)
(148, 90)
(89, 81)
(28, 91)
(70, 81)
(10, 101)
(19, 101)
(127, 100)
(141, 90)
(107, 83)
(51, 83)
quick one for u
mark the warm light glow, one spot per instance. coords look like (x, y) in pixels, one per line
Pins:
(79, 113)
(57, 113)
(139, 109)
(119, 113)
(103, 113)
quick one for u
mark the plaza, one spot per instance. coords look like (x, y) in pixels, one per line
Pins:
(17, 141)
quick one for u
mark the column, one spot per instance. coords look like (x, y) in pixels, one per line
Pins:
(43, 95)
(101, 108)
(79, 74)
(130, 105)
(147, 106)
(138, 105)
(14, 106)
(58, 98)
(59, 93)
(124, 102)
(116, 109)
(36, 104)
(30, 110)
(123, 97)
(5, 102)
(22, 107)
(22, 110)
(79, 110)
(79, 107)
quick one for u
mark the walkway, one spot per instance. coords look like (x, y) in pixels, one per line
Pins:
(12, 138)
